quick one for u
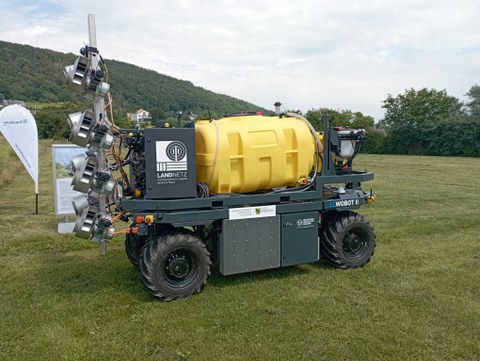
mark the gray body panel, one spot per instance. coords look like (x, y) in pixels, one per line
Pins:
(249, 245)
(299, 238)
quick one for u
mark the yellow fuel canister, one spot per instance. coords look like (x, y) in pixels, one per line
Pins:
(248, 153)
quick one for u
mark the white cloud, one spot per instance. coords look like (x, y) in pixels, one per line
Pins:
(307, 54)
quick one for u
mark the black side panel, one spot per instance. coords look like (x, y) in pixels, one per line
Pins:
(170, 163)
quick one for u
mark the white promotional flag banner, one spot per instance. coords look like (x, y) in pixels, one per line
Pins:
(18, 126)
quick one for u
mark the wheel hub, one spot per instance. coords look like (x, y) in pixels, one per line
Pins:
(352, 243)
(178, 267)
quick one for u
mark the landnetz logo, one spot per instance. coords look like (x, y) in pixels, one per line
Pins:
(176, 151)
(171, 156)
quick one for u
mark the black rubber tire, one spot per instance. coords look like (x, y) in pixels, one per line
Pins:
(347, 240)
(134, 243)
(175, 265)
(133, 247)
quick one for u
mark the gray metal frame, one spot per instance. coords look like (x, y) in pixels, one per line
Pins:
(202, 211)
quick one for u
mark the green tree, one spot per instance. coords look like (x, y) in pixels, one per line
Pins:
(455, 136)
(375, 143)
(473, 104)
(375, 138)
(345, 118)
(409, 118)
(52, 120)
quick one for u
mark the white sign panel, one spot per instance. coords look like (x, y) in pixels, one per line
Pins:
(62, 176)
(252, 212)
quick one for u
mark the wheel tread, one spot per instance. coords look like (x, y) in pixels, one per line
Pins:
(331, 245)
(152, 257)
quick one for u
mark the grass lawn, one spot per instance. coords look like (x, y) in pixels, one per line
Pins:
(418, 299)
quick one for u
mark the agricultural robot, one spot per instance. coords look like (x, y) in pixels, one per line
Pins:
(247, 192)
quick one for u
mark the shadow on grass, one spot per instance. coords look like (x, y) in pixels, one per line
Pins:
(85, 273)
(322, 265)
(218, 280)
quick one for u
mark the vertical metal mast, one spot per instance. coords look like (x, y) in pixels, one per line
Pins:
(99, 111)
(92, 31)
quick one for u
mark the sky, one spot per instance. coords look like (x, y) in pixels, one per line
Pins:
(307, 54)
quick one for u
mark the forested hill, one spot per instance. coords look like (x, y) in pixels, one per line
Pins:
(33, 74)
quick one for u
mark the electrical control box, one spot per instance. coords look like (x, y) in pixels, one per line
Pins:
(170, 163)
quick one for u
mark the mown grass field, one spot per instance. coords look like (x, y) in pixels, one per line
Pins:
(418, 299)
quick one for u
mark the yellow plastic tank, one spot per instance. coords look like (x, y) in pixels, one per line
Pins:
(248, 153)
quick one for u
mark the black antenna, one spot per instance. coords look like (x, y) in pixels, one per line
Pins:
(209, 112)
